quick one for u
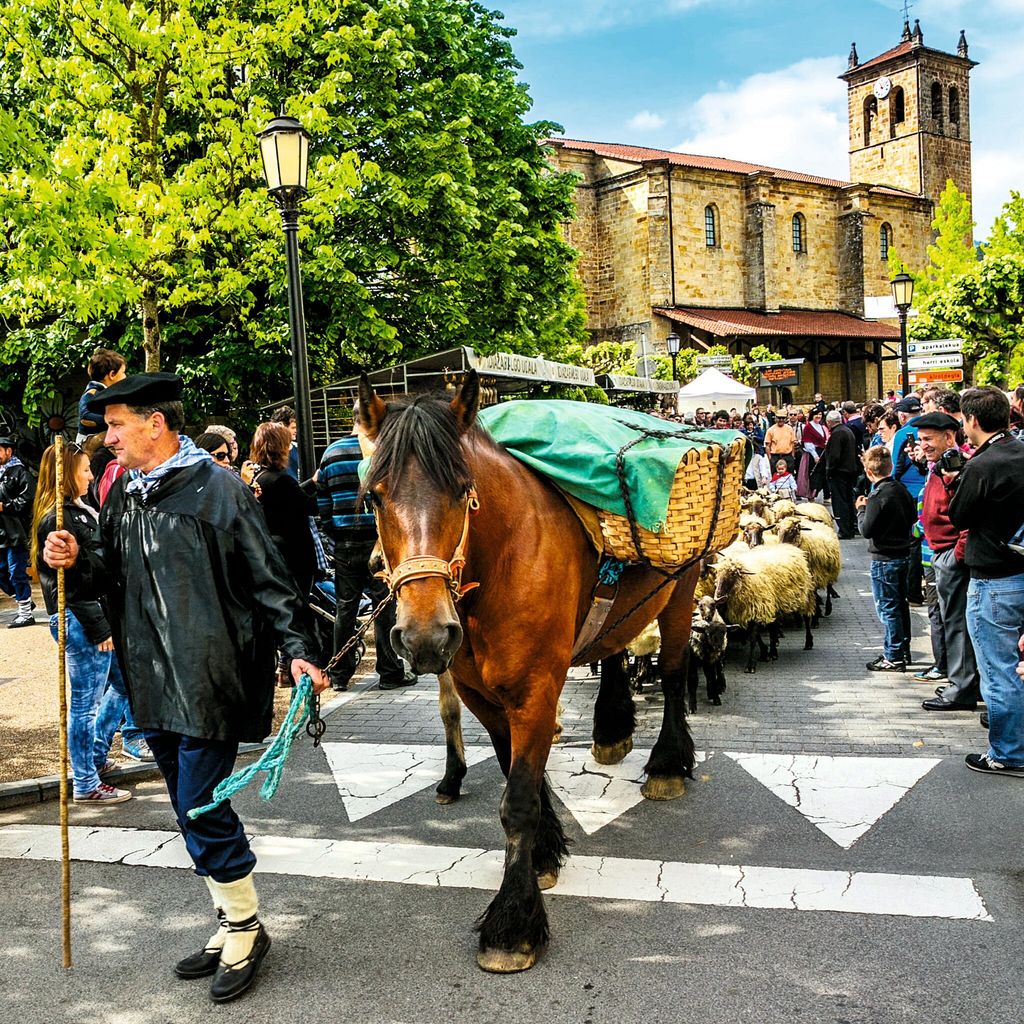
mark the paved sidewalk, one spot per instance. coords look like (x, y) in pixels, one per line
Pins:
(821, 701)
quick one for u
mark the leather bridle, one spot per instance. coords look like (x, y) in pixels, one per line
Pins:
(421, 567)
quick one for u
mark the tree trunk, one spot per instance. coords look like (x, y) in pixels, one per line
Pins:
(150, 329)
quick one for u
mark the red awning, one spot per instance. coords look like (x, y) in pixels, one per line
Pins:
(750, 323)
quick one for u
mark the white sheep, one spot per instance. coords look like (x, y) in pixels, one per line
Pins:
(757, 587)
(820, 546)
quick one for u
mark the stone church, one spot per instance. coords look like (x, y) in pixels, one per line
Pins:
(725, 252)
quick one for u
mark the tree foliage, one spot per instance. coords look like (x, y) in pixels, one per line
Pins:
(981, 301)
(134, 206)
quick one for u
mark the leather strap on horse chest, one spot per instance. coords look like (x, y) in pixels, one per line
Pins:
(420, 567)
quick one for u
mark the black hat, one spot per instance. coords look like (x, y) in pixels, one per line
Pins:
(8, 442)
(909, 404)
(937, 421)
(140, 389)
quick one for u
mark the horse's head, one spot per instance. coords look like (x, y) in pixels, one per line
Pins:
(421, 488)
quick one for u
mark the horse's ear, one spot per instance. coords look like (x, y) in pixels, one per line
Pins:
(467, 403)
(372, 409)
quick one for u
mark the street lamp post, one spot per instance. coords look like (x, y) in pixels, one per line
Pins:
(284, 146)
(672, 344)
(902, 296)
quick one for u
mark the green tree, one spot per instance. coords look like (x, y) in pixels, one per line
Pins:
(133, 202)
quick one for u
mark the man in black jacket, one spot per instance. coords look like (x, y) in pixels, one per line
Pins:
(989, 503)
(886, 517)
(841, 468)
(198, 597)
(16, 493)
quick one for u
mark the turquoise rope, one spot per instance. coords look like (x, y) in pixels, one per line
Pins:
(272, 759)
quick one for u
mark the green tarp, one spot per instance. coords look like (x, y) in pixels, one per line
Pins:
(575, 444)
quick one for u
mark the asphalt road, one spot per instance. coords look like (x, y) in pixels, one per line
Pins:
(652, 931)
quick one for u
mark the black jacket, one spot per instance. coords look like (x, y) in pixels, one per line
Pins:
(840, 454)
(17, 489)
(81, 588)
(287, 509)
(887, 519)
(989, 503)
(199, 597)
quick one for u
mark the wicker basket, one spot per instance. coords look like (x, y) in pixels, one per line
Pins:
(691, 508)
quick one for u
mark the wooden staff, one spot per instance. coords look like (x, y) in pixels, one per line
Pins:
(62, 639)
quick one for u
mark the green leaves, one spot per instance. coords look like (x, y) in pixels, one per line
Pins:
(130, 174)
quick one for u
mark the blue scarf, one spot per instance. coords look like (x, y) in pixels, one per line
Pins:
(11, 462)
(186, 455)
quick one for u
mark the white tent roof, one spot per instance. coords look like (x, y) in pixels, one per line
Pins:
(714, 389)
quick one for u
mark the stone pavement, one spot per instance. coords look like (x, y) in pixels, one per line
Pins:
(821, 701)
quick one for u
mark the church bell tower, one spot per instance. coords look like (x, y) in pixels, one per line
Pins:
(909, 110)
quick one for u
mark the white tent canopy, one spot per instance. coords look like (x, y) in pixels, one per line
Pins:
(713, 389)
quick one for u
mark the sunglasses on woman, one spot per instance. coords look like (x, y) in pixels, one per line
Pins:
(222, 456)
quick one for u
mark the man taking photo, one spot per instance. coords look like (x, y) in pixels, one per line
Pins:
(988, 502)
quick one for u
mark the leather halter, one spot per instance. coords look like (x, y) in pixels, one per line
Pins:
(421, 567)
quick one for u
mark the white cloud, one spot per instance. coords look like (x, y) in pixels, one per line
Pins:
(550, 20)
(794, 118)
(646, 120)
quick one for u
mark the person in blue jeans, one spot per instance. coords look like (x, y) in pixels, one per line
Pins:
(886, 517)
(115, 714)
(90, 647)
(988, 502)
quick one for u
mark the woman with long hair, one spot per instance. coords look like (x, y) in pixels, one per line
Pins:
(286, 506)
(90, 647)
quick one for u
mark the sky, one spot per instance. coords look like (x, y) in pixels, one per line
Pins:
(755, 80)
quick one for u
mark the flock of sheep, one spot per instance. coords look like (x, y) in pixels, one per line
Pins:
(782, 567)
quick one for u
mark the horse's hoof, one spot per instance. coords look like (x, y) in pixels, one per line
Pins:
(556, 736)
(506, 961)
(547, 880)
(662, 787)
(446, 798)
(611, 753)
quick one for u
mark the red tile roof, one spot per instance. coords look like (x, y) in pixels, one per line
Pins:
(638, 154)
(727, 323)
(897, 51)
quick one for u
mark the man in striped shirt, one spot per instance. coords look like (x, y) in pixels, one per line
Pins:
(354, 532)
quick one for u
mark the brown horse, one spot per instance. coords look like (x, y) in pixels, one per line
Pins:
(450, 502)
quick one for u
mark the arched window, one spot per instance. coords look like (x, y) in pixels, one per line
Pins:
(711, 226)
(870, 113)
(897, 110)
(937, 105)
(884, 240)
(954, 106)
(799, 233)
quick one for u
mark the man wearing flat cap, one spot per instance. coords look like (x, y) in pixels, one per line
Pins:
(198, 598)
(936, 436)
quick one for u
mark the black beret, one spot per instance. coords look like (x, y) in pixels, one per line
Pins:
(937, 421)
(909, 404)
(8, 442)
(140, 389)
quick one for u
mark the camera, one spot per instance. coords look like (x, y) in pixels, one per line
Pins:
(951, 461)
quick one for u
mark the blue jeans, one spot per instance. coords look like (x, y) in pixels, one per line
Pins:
(14, 573)
(88, 671)
(192, 768)
(995, 619)
(115, 713)
(889, 589)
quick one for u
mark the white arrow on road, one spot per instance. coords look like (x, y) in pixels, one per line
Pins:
(841, 796)
(371, 776)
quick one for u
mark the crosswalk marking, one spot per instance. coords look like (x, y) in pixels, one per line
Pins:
(841, 796)
(615, 878)
(372, 776)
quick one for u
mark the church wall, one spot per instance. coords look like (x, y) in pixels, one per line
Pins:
(806, 280)
(622, 293)
(708, 276)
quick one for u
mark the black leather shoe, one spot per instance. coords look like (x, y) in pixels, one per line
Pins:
(408, 679)
(198, 965)
(938, 704)
(984, 719)
(231, 982)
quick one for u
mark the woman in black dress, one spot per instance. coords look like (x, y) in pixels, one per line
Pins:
(285, 505)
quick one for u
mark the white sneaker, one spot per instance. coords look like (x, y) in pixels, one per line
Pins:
(104, 794)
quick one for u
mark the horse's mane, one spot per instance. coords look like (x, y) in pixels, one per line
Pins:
(421, 428)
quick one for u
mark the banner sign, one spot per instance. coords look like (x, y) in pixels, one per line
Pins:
(532, 368)
(779, 377)
(705, 361)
